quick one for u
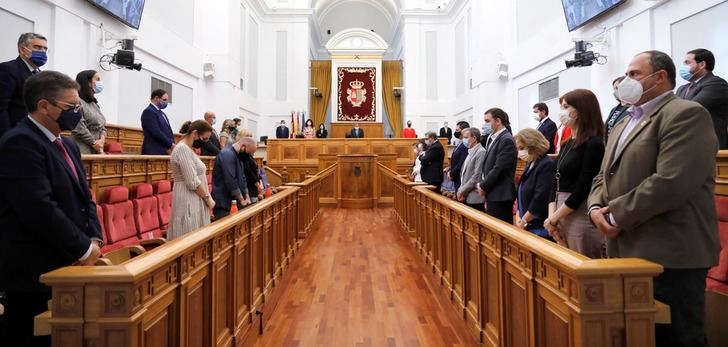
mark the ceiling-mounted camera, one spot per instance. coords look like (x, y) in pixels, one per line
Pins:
(122, 59)
(583, 57)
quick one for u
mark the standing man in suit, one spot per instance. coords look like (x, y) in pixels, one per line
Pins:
(211, 147)
(158, 135)
(499, 169)
(706, 89)
(282, 131)
(47, 216)
(458, 156)
(431, 162)
(32, 54)
(446, 132)
(546, 126)
(472, 170)
(228, 180)
(653, 196)
(356, 132)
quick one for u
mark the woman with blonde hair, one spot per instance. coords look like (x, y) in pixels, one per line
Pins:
(226, 132)
(578, 162)
(191, 200)
(535, 185)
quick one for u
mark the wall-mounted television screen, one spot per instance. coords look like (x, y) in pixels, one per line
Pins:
(127, 11)
(580, 12)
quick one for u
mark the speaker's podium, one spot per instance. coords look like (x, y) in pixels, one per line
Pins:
(356, 180)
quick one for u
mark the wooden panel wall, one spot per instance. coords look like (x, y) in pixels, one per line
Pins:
(203, 289)
(516, 289)
(300, 157)
(371, 129)
(103, 171)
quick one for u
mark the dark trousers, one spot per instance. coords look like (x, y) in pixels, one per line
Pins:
(478, 206)
(20, 309)
(220, 212)
(684, 291)
(502, 210)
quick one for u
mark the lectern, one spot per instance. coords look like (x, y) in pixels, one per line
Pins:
(356, 180)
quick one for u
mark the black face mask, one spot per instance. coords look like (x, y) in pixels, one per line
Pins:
(457, 134)
(198, 143)
(69, 119)
(241, 154)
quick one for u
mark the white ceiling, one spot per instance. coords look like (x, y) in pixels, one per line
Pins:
(337, 15)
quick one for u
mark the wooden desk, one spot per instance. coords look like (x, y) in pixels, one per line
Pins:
(371, 129)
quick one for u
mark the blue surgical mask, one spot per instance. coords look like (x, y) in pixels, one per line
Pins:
(487, 128)
(39, 58)
(98, 87)
(685, 73)
(163, 105)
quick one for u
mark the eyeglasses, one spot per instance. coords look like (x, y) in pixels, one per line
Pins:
(76, 108)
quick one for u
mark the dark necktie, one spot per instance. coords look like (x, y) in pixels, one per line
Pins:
(488, 143)
(687, 90)
(61, 148)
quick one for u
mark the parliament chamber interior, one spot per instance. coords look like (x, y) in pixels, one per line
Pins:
(363, 173)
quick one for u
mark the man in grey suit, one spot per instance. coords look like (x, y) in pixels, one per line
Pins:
(499, 167)
(653, 197)
(472, 170)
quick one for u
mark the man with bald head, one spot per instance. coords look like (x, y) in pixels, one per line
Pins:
(653, 197)
(211, 147)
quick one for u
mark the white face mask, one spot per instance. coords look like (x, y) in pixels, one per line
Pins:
(630, 91)
(537, 117)
(564, 117)
(523, 154)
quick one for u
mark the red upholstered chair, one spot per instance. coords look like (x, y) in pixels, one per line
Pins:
(163, 194)
(718, 275)
(146, 211)
(113, 148)
(119, 217)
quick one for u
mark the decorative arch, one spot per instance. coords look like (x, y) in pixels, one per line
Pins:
(356, 41)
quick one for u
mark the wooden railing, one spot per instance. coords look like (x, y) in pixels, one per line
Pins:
(404, 198)
(207, 288)
(309, 196)
(104, 171)
(516, 289)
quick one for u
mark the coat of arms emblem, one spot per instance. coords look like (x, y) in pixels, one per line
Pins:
(356, 95)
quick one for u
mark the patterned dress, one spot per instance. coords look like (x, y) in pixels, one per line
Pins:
(189, 211)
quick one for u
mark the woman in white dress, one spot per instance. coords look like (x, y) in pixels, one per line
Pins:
(419, 149)
(191, 200)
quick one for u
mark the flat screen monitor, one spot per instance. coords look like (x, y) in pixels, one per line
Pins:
(128, 12)
(580, 12)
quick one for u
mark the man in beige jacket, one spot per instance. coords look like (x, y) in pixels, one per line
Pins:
(653, 196)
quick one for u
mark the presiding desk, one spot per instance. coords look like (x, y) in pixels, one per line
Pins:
(299, 158)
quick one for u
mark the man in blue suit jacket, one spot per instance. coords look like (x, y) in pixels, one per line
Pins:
(228, 180)
(31, 55)
(458, 157)
(48, 218)
(546, 126)
(158, 135)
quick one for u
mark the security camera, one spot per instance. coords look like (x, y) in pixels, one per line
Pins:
(122, 59)
(583, 57)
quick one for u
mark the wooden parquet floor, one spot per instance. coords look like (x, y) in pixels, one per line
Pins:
(357, 281)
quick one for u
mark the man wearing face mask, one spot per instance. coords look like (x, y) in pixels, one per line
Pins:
(356, 132)
(48, 218)
(617, 113)
(546, 126)
(458, 157)
(706, 89)
(212, 147)
(499, 167)
(432, 161)
(446, 132)
(409, 132)
(653, 196)
(32, 54)
(158, 135)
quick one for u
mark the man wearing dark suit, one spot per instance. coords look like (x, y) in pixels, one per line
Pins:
(356, 132)
(546, 126)
(458, 157)
(446, 132)
(32, 50)
(48, 218)
(228, 180)
(211, 147)
(653, 196)
(282, 131)
(706, 89)
(158, 135)
(499, 168)
(431, 170)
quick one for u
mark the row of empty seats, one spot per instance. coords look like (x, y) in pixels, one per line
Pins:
(129, 219)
